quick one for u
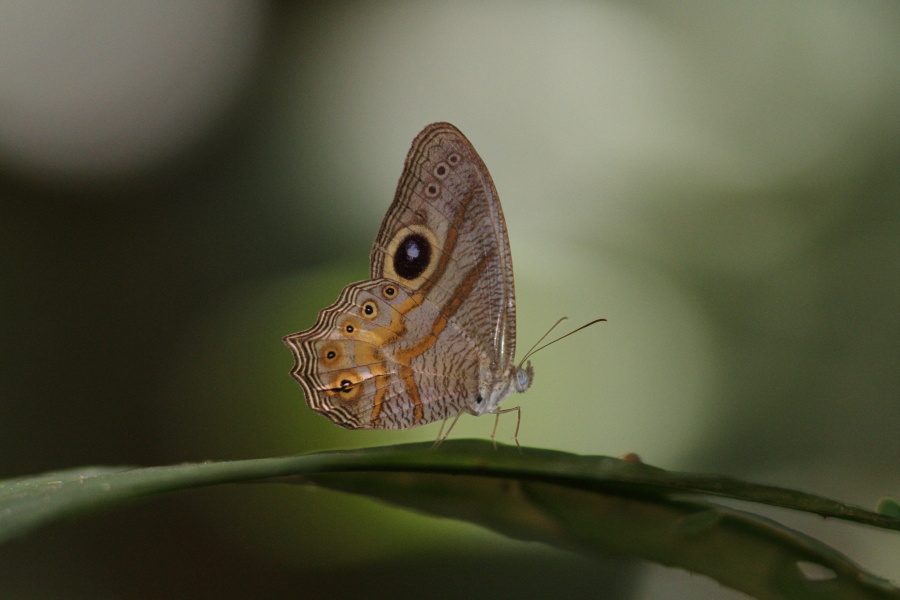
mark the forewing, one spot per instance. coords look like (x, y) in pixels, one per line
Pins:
(444, 237)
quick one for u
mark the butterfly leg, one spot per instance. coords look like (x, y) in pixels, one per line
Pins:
(494, 430)
(499, 412)
(441, 431)
(443, 436)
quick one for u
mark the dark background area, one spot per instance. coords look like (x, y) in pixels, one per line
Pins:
(182, 185)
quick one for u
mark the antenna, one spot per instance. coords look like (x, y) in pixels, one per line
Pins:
(532, 351)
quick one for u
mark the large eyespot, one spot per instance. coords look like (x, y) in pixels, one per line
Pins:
(413, 253)
(412, 257)
(369, 309)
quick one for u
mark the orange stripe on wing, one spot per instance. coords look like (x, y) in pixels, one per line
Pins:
(407, 375)
(449, 244)
(378, 400)
(405, 356)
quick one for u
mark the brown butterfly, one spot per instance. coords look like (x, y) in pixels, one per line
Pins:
(432, 333)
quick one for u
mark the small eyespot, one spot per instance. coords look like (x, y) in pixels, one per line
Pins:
(431, 190)
(368, 309)
(329, 352)
(441, 171)
(453, 159)
(347, 384)
(390, 291)
(349, 328)
(479, 399)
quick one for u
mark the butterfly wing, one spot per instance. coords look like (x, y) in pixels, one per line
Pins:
(444, 237)
(433, 330)
(373, 361)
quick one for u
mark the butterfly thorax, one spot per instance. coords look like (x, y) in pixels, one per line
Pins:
(496, 387)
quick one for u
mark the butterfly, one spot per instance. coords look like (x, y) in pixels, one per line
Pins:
(432, 333)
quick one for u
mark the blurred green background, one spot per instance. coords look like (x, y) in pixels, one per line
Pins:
(181, 184)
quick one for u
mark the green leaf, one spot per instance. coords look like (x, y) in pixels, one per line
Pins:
(589, 504)
(889, 507)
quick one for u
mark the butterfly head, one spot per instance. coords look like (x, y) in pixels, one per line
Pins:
(496, 386)
(524, 377)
